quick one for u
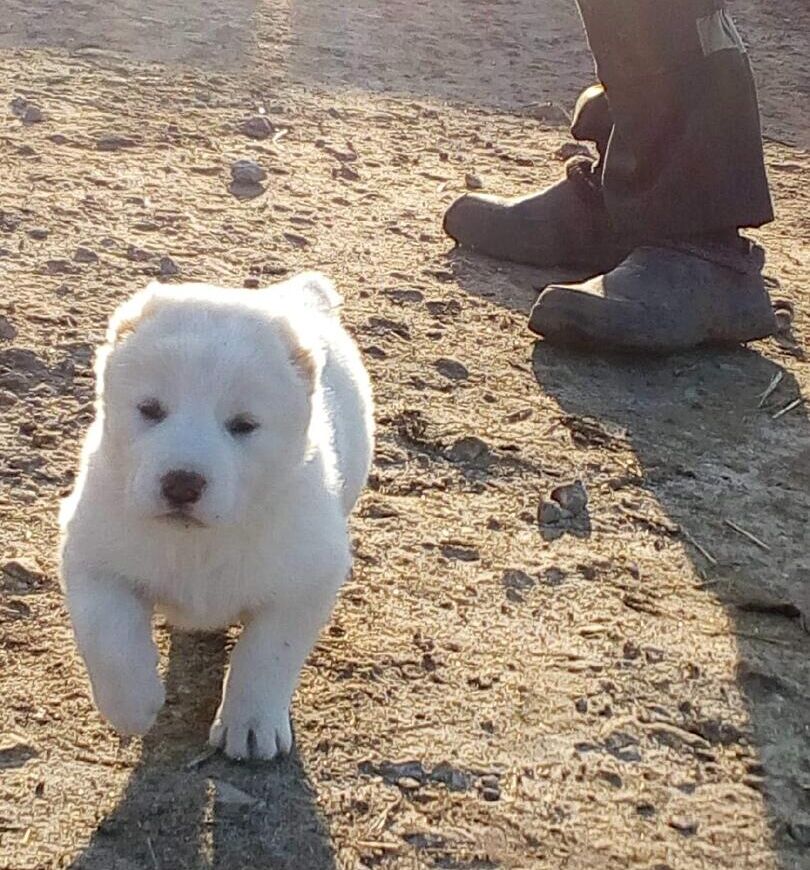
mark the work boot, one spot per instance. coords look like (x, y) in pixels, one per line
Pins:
(662, 299)
(564, 225)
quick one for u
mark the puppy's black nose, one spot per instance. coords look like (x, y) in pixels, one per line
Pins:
(182, 488)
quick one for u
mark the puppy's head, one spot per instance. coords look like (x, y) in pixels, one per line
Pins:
(206, 399)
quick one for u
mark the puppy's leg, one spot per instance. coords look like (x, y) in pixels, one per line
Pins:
(253, 720)
(114, 634)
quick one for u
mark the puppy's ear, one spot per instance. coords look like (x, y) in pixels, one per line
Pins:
(123, 322)
(305, 353)
(315, 290)
(128, 315)
(304, 360)
(310, 290)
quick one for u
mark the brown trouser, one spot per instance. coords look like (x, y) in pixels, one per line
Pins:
(684, 153)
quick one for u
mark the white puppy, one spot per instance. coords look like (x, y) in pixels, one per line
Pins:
(233, 435)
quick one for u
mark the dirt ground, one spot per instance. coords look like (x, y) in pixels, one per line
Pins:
(629, 690)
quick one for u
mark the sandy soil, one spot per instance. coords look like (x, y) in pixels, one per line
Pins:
(632, 690)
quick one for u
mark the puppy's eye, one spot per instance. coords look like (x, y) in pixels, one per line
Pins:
(242, 424)
(152, 410)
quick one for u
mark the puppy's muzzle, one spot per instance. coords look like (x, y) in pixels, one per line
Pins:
(182, 489)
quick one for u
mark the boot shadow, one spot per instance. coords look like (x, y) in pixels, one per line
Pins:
(711, 457)
(510, 285)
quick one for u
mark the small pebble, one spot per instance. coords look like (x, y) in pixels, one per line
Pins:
(396, 771)
(247, 172)
(28, 113)
(403, 296)
(610, 777)
(59, 266)
(257, 127)
(549, 513)
(513, 578)
(23, 572)
(246, 178)
(470, 450)
(85, 255)
(687, 827)
(297, 240)
(138, 255)
(631, 650)
(112, 142)
(225, 793)
(452, 777)
(571, 497)
(452, 369)
(168, 268)
(460, 553)
(490, 787)
(8, 332)
(32, 115)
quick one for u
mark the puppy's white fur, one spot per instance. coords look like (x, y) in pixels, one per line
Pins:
(267, 542)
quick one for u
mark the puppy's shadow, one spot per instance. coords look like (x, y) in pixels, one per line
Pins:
(180, 812)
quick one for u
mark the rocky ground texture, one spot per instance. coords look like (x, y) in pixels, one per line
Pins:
(521, 673)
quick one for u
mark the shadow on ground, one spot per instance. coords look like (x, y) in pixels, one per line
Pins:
(506, 284)
(178, 814)
(481, 53)
(206, 33)
(709, 454)
(508, 55)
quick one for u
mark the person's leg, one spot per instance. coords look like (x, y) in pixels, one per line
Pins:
(685, 155)
(682, 170)
(677, 131)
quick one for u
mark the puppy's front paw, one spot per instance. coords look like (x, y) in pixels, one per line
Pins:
(252, 731)
(128, 703)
